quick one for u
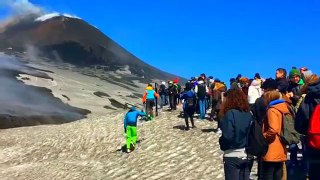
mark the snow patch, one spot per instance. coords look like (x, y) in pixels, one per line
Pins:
(47, 16)
(71, 16)
(52, 15)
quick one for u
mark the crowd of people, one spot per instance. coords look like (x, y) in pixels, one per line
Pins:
(265, 101)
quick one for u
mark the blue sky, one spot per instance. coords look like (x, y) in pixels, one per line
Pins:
(220, 38)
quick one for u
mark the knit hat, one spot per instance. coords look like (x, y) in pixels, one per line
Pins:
(269, 84)
(307, 74)
(294, 72)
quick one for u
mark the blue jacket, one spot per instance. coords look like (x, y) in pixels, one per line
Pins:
(185, 96)
(235, 127)
(131, 117)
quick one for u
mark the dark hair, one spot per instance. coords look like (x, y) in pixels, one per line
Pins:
(235, 99)
(283, 71)
(257, 75)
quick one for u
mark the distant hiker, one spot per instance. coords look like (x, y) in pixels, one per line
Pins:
(148, 99)
(244, 84)
(130, 127)
(217, 100)
(189, 104)
(254, 92)
(201, 90)
(172, 91)
(294, 93)
(235, 123)
(163, 93)
(307, 122)
(233, 83)
(178, 87)
(273, 161)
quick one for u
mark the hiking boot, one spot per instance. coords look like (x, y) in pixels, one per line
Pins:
(132, 147)
(187, 128)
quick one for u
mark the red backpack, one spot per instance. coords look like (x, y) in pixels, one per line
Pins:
(314, 129)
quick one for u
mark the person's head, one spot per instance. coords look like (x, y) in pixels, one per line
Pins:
(294, 76)
(310, 80)
(232, 80)
(281, 73)
(234, 99)
(257, 76)
(189, 86)
(269, 85)
(271, 96)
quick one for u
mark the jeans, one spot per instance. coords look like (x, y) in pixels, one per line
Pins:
(237, 168)
(163, 100)
(202, 108)
(271, 170)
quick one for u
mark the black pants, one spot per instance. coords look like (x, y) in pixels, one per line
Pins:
(237, 168)
(172, 101)
(271, 170)
(149, 106)
(188, 113)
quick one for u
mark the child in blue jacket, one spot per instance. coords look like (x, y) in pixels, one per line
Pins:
(189, 105)
(130, 127)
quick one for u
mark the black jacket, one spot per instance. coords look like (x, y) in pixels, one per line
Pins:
(295, 89)
(234, 126)
(259, 110)
(305, 112)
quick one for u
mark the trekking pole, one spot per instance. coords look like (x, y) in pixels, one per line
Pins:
(156, 99)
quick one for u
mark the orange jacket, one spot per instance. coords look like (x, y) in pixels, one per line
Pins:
(149, 90)
(271, 128)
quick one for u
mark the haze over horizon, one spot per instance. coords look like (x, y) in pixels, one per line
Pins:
(220, 39)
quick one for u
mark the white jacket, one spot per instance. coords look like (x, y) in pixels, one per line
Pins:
(254, 93)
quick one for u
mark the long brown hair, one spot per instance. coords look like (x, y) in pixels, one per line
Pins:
(235, 99)
(271, 96)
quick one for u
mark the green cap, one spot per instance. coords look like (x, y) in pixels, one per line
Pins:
(294, 72)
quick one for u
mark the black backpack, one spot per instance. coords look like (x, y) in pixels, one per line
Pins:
(256, 143)
(201, 90)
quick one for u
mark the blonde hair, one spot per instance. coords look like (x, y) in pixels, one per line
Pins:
(271, 96)
(310, 80)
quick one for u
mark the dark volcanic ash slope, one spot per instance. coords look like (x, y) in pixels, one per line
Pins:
(24, 105)
(75, 41)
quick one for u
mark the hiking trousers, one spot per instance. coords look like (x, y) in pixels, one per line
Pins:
(271, 170)
(237, 168)
(131, 132)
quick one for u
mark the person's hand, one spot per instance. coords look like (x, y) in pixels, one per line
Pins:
(289, 95)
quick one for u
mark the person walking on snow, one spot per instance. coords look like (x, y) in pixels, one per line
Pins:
(148, 99)
(130, 128)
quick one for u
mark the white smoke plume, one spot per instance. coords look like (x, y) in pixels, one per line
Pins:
(21, 7)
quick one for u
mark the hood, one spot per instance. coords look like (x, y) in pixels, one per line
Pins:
(219, 86)
(149, 88)
(132, 109)
(314, 89)
(256, 83)
(280, 105)
(200, 82)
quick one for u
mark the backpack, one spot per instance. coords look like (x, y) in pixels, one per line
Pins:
(201, 90)
(256, 144)
(190, 102)
(288, 133)
(313, 137)
(162, 89)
